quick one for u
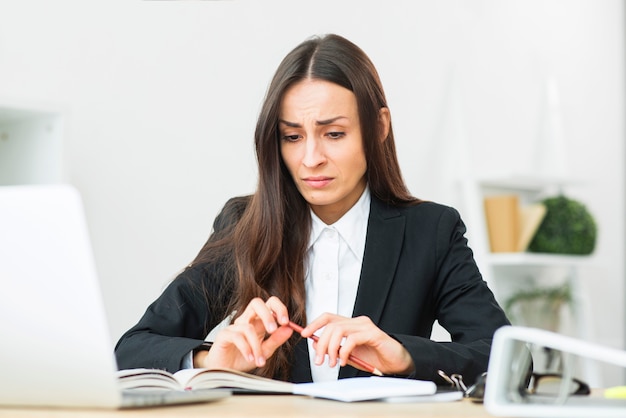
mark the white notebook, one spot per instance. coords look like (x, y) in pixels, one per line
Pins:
(366, 388)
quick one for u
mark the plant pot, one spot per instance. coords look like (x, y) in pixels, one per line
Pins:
(540, 313)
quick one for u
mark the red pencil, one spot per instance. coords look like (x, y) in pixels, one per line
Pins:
(352, 359)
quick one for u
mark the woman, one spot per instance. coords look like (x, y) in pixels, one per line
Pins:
(333, 239)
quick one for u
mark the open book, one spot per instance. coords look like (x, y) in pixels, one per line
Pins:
(193, 379)
(346, 390)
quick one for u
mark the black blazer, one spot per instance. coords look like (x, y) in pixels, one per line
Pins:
(417, 268)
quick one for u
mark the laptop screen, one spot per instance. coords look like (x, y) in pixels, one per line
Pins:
(56, 348)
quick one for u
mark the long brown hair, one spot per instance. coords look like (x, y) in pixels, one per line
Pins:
(267, 246)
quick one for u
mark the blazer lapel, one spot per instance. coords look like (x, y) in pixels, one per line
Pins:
(300, 366)
(385, 234)
(383, 244)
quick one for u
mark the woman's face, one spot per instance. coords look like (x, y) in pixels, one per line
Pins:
(322, 146)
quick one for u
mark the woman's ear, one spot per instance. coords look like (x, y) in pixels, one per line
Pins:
(384, 119)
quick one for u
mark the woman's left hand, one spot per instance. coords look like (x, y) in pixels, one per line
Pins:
(360, 337)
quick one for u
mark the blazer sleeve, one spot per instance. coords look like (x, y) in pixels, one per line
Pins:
(171, 327)
(179, 319)
(461, 302)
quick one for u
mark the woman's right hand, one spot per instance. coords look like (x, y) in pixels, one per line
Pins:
(251, 339)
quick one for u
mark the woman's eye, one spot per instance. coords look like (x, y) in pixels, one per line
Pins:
(336, 135)
(291, 138)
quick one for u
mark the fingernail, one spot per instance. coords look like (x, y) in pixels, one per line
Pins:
(251, 358)
(271, 328)
(260, 361)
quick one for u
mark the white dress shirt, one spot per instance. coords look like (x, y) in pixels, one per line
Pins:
(334, 259)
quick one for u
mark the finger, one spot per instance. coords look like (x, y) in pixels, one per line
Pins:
(248, 342)
(278, 309)
(319, 326)
(318, 323)
(334, 345)
(321, 347)
(346, 349)
(255, 341)
(249, 313)
(229, 337)
(275, 340)
(334, 335)
(257, 309)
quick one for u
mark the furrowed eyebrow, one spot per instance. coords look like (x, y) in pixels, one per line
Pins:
(329, 121)
(319, 122)
(289, 124)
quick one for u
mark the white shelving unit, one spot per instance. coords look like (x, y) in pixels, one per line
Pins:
(529, 190)
(31, 144)
(506, 272)
(537, 260)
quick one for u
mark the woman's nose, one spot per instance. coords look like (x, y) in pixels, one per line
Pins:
(313, 153)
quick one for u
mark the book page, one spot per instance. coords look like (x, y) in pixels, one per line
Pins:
(147, 379)
(226, 378)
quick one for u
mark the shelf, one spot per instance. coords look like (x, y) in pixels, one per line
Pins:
(525, 183)
(537, 260)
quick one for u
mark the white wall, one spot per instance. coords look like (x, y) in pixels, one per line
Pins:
(162, 98)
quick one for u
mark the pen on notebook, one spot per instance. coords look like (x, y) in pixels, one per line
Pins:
(352, 359)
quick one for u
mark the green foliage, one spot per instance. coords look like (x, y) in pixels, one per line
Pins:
(538, 307)
(558, 295)
(568, 228)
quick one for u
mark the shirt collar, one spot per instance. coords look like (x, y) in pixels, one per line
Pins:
(352, 226)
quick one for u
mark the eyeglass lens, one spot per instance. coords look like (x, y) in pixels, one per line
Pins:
(549, 368)
(551, 384)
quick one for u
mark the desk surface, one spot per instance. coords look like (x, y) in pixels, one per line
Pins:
(274, 406)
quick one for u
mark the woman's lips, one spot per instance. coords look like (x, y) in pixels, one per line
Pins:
(317, 182)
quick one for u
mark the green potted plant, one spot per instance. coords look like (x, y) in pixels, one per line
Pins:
(567, 228)
(539, 307)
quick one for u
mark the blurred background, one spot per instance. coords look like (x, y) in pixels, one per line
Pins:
(149, 108)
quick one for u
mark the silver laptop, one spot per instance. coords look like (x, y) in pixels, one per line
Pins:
(56, 349)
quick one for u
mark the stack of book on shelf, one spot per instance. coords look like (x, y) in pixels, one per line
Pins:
(510, 225)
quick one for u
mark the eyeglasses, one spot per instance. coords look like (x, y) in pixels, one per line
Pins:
(553, 384)
(550, 385)
(555, 381)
